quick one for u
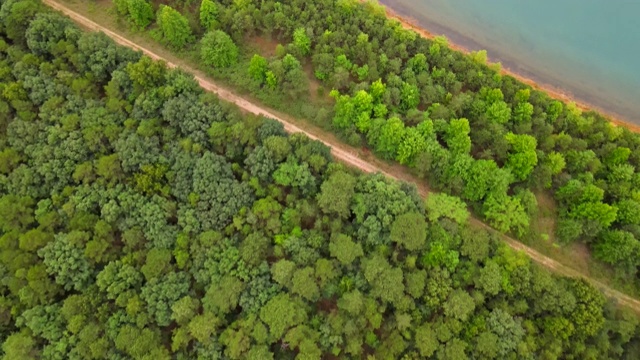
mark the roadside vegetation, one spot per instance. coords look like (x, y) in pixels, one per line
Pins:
(142, 218)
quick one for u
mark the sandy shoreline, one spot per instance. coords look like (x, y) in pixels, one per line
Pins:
(554, 92)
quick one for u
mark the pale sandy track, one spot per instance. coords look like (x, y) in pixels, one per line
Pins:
(340, 153)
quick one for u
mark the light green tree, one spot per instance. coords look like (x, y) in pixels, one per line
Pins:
(506, 213)
(460, 305)
(390, 137)
(208, 14)
(344, 249)
(490, 279)
(258, 68)
(442, 205)
(386, 281)
(301, 41)
(336, 194)
(174, 27)
(410, 231)
(282, 313)
(426, 340)
(217, 49)
(522, 157)
(412, 144)
(409, 96)
(457, 136)
(221, 298)
(140, 13)
(304, 284)
(202, 326)
(282, 272)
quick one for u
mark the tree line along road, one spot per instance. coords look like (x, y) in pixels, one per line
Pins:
(340, 152)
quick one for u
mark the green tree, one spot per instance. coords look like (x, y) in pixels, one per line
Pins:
(487, 345)
(282, 272)
(508, 330)
(217, 49)
(271, 79)
(34, 239)
(460, 305)
(587, 315)
(280, 314)
(258, 68)
(628, 211)
(139, 343)
(202, 326)
(619, 248)
(617, 156)
(304, 284)
(301, 41)
(453, 349)
(260, 353)
(157, 264)
(596, 212)
(556, 162)
(65, 260)
(222, 298)
(352, 302)
(146, 73)
(523, 157)
(46, 30)
(490, 279)
(15, 212)
(184, 310)
(278, 146)
(385, 280)
(506, 214)
(109, 168)
(255, 249)
(140, 13)
(336, 194)
(415, 283)
(457, 136)
(161, 294)
(389, 138)
(118, 279)
(496, 110)
(442, 205)
(426, 340)
(523, 110)
(413, 144)
(410, 231)
(208, 14)
(409, 96)
(174, 27)
(9, 160)
(343, 248)
(15, 16)
(20, 346)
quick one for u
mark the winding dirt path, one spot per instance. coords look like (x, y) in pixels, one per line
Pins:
(344, 154)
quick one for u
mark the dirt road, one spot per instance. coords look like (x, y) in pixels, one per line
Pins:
(225, 94)
(342, 153)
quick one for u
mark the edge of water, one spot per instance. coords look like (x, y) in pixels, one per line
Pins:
(462, 43)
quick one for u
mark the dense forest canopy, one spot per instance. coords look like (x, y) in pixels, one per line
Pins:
(141, 218)
(450, 117)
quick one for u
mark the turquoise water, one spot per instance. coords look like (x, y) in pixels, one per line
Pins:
(590, 49)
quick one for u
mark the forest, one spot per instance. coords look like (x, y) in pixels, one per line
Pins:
(142, 218)
(450, 117)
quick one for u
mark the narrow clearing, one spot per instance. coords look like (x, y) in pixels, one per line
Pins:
(340, 153)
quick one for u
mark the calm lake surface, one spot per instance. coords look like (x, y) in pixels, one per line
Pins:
(588, 48)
